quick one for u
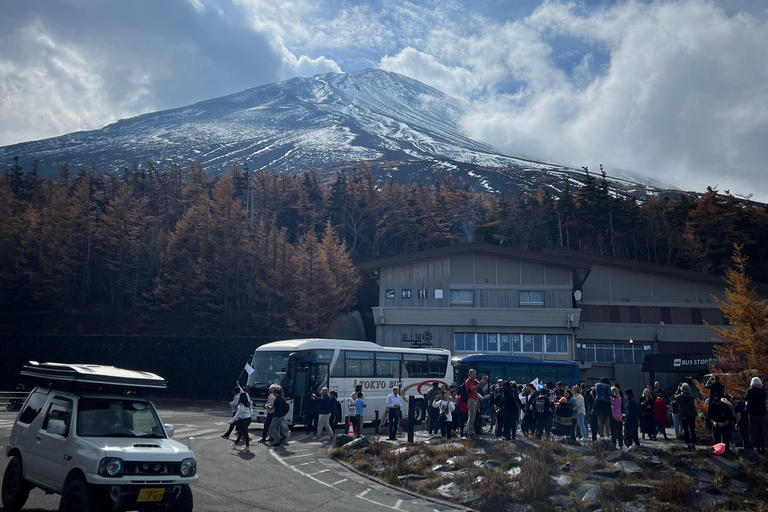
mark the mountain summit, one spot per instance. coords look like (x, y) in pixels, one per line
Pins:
(404, 129)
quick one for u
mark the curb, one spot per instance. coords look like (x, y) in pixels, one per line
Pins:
(403, 490)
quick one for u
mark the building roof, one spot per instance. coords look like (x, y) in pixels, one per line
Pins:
(497, 250)
(582, 258)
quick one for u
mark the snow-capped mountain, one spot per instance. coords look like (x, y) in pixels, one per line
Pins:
(404, 130)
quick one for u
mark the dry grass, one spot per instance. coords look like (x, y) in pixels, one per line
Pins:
(533, 480)
(672, 492)
(495, 491)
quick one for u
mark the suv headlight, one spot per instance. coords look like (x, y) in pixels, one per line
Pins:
(111, 467)
(188, 467)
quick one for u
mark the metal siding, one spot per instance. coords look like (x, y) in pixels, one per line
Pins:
(462, 269)
(667, 289)
(558, 299)
(645, 333)
(558, 275)
(629, 376)
(635, 286)
(704, 293)
(596, 287)
(485, 269)
(483, 317)
(533, 273)
(508, 271)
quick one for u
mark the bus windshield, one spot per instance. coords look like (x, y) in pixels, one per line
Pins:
(269, 368)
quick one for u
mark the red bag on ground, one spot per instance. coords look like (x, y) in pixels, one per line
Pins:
(719, 448)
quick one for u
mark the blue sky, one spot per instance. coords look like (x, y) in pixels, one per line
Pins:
(677, 90)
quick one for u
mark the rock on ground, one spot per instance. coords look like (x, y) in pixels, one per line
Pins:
(411, 478)
(560, 501)
(467, 497)
(356, 444)
(342, 439)
(628, 466)
(700, 499)
(410, 461)
(586, 493)
(618, 456)
(560, 480)
(448, 490)
(729, 467)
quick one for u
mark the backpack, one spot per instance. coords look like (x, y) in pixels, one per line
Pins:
(463, 392)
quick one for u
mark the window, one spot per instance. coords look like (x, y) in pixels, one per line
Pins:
(493, 343)
(416, 365)
(32, 408)
(462, 297)
(505, 343)
(338, 366)
(405, 293)
(532, 343)
(517, 343)
(531, 298)
(387, 365)
(423, 293)
(438, 366)
(358, 364)
(610, 352)
(556, 344)
(59, 410)
(464, 342)
(439, 294)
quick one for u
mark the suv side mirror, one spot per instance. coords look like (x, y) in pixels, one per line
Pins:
(168, 429)
(57, 427)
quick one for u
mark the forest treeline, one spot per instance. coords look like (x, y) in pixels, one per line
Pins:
(276, 253)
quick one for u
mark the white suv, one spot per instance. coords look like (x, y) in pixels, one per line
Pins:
(101, 451)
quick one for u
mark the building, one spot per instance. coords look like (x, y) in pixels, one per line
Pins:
(609, 314)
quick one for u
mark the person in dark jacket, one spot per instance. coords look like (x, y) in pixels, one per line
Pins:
(688, 414)
(496, 405)
(715, 387)
(510, 410)
(632, 419)
(603, 405)
(542, 412)
(721, 417)
(741, 422)
(432, 413)
(647, 425)
(758, 428)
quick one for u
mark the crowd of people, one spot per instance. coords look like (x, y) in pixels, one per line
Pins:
(602, 411)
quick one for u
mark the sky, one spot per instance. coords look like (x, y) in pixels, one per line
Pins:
(676, 90)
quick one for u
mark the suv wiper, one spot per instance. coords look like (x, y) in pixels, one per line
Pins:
(152, 436)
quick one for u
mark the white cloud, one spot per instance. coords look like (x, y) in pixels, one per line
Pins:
(456, 81)
(684, 97)
(78, 66)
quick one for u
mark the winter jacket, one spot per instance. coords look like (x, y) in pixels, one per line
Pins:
(756, 401)
(660, 409)
(687, 403)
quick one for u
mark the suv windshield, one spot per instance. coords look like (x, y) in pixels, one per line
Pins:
(268, 368)
(105, 417)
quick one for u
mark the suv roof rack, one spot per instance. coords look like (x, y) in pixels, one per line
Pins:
(93, 374)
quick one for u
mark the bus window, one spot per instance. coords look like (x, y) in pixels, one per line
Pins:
(520, 373)
(437, 365)
(338, 366)
(545, 372)
(415, 365)
(358, 364)
(387, 364)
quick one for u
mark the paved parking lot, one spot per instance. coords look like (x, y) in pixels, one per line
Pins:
(297, 478)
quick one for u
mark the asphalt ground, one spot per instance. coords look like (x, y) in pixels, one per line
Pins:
(297, 477)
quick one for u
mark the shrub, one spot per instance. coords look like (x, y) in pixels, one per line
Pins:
(672, 491)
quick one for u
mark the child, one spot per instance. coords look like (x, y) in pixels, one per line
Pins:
(633, 419)
(360, 406)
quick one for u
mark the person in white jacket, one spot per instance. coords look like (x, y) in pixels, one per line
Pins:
(445, 406)
(243, 419)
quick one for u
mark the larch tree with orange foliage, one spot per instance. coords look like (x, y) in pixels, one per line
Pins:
(745, 352)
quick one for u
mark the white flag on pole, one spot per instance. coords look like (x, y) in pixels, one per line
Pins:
(248, 369)
(536, 383)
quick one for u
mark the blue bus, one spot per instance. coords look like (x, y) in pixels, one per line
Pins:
(521, 369)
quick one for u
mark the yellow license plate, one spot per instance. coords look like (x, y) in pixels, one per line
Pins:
(151, 495)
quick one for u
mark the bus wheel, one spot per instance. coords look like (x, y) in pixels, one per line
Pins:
(419, 412)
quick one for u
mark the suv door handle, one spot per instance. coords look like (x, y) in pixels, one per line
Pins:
(38, 438)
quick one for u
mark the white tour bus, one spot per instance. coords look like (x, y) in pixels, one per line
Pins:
(305, 366)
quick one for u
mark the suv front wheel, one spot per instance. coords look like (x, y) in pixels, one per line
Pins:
(184, 502)
(15, 488)
(76, 497)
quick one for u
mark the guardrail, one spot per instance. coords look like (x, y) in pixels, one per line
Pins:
(12, 400)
